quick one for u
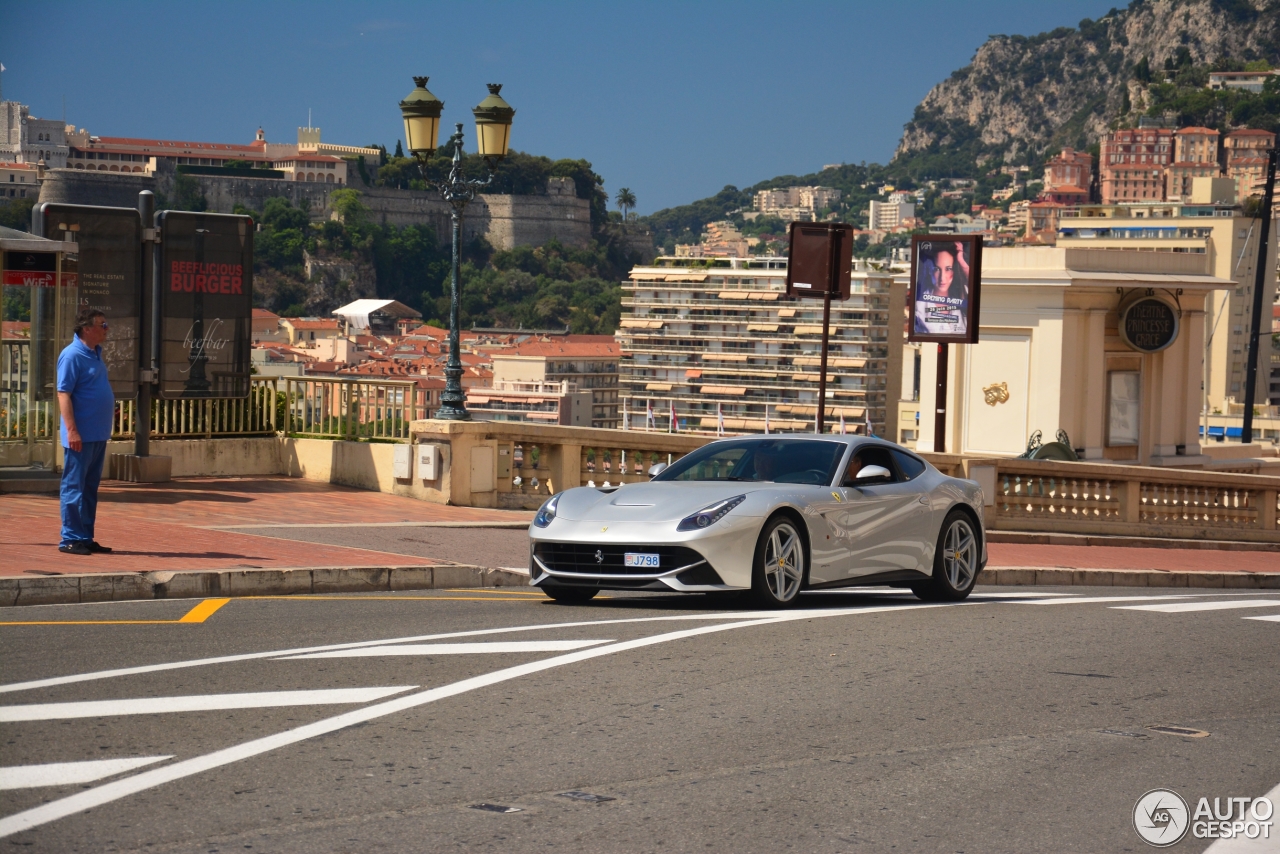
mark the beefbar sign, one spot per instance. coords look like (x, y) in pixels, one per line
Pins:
(107, 269)
(206, 304)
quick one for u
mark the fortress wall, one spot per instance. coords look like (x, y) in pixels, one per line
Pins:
(505, 221)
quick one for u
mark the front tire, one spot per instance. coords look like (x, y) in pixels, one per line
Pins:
(778, 570)
(571, 595)
(955, 561)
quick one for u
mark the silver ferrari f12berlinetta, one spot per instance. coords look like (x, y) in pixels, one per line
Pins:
(774, 515)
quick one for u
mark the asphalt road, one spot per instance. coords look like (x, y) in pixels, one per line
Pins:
(857, 722)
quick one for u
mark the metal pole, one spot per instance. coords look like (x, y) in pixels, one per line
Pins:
(146, 356)
(822, 375)
(940, 404)
(1259, 280)
(453, 403)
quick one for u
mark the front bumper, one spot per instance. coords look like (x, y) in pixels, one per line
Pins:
(718, 558)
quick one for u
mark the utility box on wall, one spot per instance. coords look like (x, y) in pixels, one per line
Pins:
(402, 462)
(429, 462)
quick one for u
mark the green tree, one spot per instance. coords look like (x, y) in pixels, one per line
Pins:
(188, 195)
(16, 214)
(399, 149)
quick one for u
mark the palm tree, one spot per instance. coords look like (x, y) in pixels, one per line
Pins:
(625, 199)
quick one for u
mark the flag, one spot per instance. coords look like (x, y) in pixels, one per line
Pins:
(648, 414)
(719, 419)
(626, 423)
(672, 426)
(2, 66)
(868, 413)
(766, 419)
(842, 428)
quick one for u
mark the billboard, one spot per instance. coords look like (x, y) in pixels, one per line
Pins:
(107, 269)
(205, 279)
(946, 284)
(820, 260)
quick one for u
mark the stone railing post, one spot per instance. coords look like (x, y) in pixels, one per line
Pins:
(1130, 495)
(565, 467)
(1267, 509)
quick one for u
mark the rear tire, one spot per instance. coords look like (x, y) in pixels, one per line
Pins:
(777, 573)
(955, 561)
(571, 595)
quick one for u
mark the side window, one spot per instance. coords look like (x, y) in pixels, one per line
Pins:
(869, 456)
(911, 467)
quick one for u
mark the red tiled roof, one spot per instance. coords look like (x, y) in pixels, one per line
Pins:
(568, 349)
(173, 146)
(1197, 131)
(263, 314)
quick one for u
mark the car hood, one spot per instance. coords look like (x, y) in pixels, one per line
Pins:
(647, 502)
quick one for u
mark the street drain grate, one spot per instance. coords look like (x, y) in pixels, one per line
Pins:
(1186, 732)
(586, 796)
(495, 808)
(1122, 732)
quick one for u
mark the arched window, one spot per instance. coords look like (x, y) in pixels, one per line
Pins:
(311, 176)
(328, 179)
(102, 167)
(79, 165)
(300, 176)
(137, 169)
(114, 168)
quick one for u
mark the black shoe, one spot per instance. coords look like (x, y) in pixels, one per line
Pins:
(76, 548)
(99, 550)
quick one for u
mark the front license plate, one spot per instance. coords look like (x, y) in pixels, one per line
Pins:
(641, 560)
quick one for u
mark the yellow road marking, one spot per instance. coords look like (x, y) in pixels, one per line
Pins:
(358, 598)
(201, 612)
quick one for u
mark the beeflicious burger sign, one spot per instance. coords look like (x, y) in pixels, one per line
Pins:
(206, 305)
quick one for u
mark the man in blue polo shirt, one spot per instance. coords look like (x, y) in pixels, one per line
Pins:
(88, 406)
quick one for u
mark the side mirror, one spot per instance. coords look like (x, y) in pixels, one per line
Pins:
(872, 473)
(657, 469)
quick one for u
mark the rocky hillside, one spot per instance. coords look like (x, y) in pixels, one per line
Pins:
(1024, 95)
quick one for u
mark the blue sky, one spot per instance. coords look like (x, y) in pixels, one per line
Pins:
(673, 100)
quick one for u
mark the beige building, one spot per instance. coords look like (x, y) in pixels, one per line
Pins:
(721, 338)
(586, 366)
(812, 199)
(18, 181)
(1051, 356)
(1227, 244)
(1195, 155)
(1246, 153)
(887, 215)
(1132, 162)
(27, 139)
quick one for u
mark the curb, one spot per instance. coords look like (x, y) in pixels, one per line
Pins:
(1046, 539)
(1037, 576)
(200, 584)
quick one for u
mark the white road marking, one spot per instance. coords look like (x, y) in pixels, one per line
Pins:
(1188, 607)
(1094, 600)
(118, 789)
(194, 703)
(1244, 845)
(1270, 618)
(67, 773)
(226, 659)
(451, 649)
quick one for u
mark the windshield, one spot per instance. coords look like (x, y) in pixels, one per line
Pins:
(760, 460)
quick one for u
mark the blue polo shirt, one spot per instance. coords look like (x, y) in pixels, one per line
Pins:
(83, 375)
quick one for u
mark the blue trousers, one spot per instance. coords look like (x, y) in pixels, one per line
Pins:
(81, 473)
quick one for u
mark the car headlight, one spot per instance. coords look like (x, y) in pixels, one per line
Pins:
(547, 511)
(708, 516)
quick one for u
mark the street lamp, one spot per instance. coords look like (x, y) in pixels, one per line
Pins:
(421, 111)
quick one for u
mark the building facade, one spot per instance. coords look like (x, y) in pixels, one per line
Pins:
(27, 139)
(1132, 162)
(721, 340)
(1069, 172)
(886, 215)
(590, 367)
(1195, 155)
(1227, 242)
(1246, 155)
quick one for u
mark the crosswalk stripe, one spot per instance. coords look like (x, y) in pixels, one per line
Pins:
(1186, 607)
(452, 649)
(1270, 618)
(194, 703)
(68, 773)
(1095, 600)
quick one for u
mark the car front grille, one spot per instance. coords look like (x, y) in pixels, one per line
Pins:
(608, 559)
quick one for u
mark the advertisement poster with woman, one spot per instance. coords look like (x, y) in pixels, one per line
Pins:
(945, 287)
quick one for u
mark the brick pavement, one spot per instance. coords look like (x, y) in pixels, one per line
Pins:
(1120, 557)
(158, 527)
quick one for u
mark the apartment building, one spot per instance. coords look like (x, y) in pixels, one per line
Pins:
(586, 366)
(1246, 155)
(531, 402)
(18, 180)
(1132, 162)
(1249, 81)
(887, 215)
(809, 198)
(1228, 241)
(721, 339)
(1195, 155)
(1069, 173)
